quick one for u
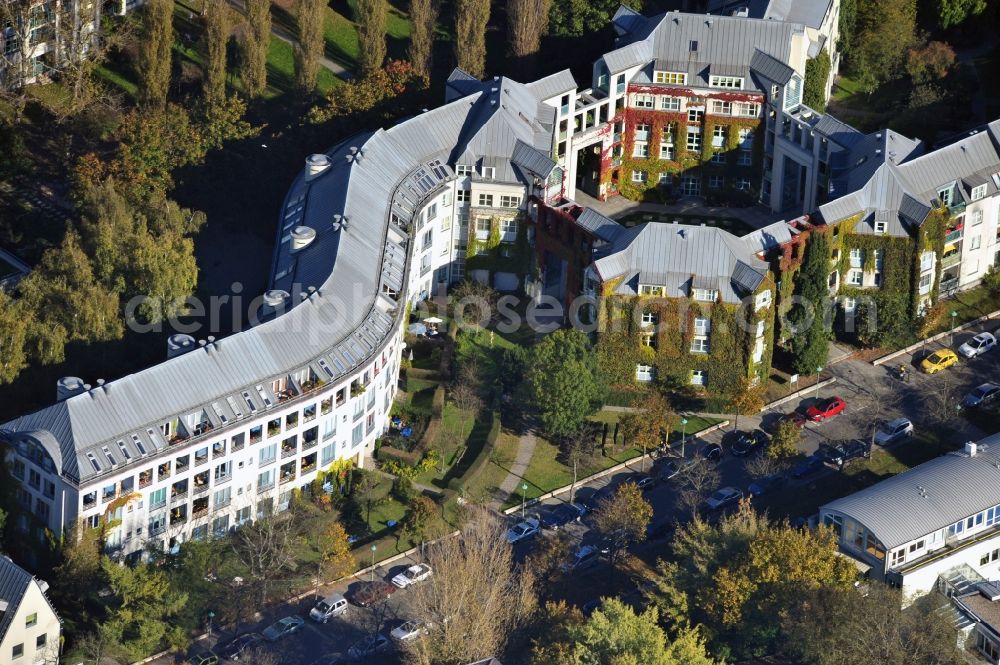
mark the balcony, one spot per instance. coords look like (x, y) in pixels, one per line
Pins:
(286, 394)
(199, 508)
(949, 285)
(198, 461)
(200, 489)
(953, 235)
(153, 505)
(223, 478)
(219, 505)
(288, 452)
(178, 516)
(952, 259)
(264, 487)
(157, 529)
(307, 444)
(145, 480)
(287, 477)
(176, 497)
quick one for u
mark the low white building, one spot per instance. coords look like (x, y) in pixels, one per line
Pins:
(925, 528)
(29, 625)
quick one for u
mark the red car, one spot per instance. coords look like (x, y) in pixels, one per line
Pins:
(370, 593)
(794, 417)
(827, 408)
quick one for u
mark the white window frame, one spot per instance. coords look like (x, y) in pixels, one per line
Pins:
(693, 138)
(705, 295)
(698, 377)
(978, 192)
(743, 184)
(702, 325)
(729, 82)
(670, 103)
(463, 169)
(720, 107)
(643, 101)
(486, 200)
(715, 182)
(640, 149)
(639, 176)
(644, 373)
(699, 344)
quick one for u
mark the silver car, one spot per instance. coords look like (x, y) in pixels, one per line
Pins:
(894, 430)
(978, 345)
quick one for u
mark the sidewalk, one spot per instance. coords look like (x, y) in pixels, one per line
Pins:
(525, 450)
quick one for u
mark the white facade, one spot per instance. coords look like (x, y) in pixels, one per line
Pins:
(31, 630)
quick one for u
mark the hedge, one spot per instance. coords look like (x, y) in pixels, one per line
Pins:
(386, 453)
(434, 425)
(476, 466)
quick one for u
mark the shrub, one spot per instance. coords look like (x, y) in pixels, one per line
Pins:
(402, 487)
(390, 454)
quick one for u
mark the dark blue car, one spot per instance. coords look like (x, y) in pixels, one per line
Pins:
(807, 467)
(561, 515)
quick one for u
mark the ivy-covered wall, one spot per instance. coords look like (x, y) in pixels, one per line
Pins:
(493, 260)
(686, 162)
(620, 340)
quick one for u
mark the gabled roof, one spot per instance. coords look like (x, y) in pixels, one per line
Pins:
(532, 161)
(723, 43)
(771, 68)
(771, 236)
(679, 256)
(552, 85)
(14, 584)
(928, 497)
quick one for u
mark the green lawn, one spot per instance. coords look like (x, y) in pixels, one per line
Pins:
(281, 71)
(735, 226)
(968, 306)
(486, 483)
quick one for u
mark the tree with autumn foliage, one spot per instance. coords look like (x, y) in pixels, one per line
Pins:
(623, 518)
(651, 422)
(736, 576)
(354, 99)
(748, 399)
(335, 558)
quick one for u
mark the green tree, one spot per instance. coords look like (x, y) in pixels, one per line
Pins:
(847, 26)
(953, 12)
(14, 325)
(623, 518)
(419, 518)
(809, 314)
(574, 18)
(256, 41)
(785, 441)
(70, 304)
(578, 450)
(886, 30)
(218, 28)
(371, 19)
(814, 87)
(839, 626)
(527, 21)
(471, 17)
(310, 44)
(563, 380)
(154, 52)
(140, 609)
(423, 22)
(147, 252)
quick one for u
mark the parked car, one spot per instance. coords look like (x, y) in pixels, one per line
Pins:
(746, 442)
(981, 396)
(331, 606)
(203, 658)
(712, 452)
(282, 628)
(239, 645)
(765, 484)
(593, 501)
(412, 575)
(939, 360)
(522, 530)
(369, 593)
(807, 467)
(794, 417)
(841, 452)
(669, 469)
(644, 481)
(893, 431)
(584, 557)
(408, 630)
(368, 646)
(827, 408)
(562, 515)
(978, 345)
(723, 498)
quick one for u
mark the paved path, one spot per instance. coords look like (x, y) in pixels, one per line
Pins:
(525, 449)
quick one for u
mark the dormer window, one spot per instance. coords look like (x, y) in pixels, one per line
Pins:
(489, 172)
(670, 78)
(978, 192)
(732, 82)
(705, 295)
(693, 46)
(945, 196)
(463, 169)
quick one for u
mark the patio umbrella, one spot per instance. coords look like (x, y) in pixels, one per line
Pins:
(433, 319)
(417, 329)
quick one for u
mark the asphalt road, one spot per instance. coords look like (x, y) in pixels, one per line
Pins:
(872, 395)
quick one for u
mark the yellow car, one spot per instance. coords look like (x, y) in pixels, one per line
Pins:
(939, 360)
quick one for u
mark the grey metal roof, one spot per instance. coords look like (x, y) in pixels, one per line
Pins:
(767, 238)
(675, 255)
(807, 12)
(14, 584)
(722, 41)
(954, 486)
(531, 160)
(331, 330)
(552, 85)
(598, 225)
(771, 68)
(627, 20)
(837, 131)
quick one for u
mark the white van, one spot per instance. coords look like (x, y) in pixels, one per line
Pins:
(331, 606)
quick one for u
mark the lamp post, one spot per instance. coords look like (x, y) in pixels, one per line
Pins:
(524, 489)
(373, 563)
(211, 615)
(684, 424)
(953, 314)
(819, 371)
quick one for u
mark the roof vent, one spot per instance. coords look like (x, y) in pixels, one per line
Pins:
(970, 449)
(202, 343)
(357, 157)
(179, 343)
(211, 339)
(3, 605)
(878, 151)
(315, 165)
(878, 135)
(100, 383)
(344, 223)
(43, 585)
(353, 150)
(302, 236)
(68, 386)
(708, 22)
(275, 298)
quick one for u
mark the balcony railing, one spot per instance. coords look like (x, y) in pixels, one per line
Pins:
(179, 496)
(954, 235)
(219, 505)
(157, 530)
(224, 478)
(949, 285)
(288, 452)
(157, 504)
(198, 461)
(951, 260)
(306, 445)
(200, 489)
(265, 487)
(199, 513)
(287, 478)
(145, 482)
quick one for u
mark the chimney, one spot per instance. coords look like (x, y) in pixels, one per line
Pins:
(970, 449)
